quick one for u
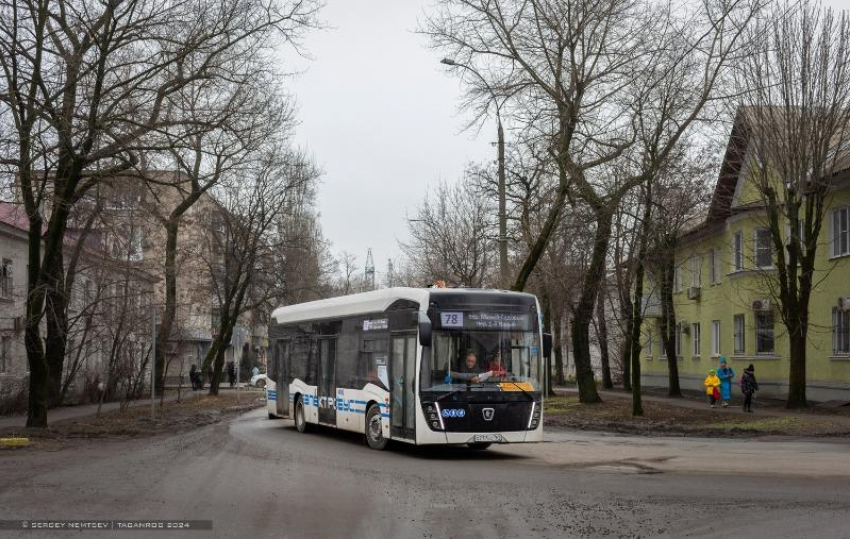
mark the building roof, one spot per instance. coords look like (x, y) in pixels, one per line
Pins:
(720, 208)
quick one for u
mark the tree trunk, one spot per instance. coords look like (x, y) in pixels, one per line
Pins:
(547, 327)
(668, 315)
(584, 310)
(558, 349)
(797, 373)
(56, 314)
(602, 331)
(626, 351)
(637, 307)
(172, 227)
(637, 323)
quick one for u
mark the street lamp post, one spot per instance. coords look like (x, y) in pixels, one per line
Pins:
(500, 142)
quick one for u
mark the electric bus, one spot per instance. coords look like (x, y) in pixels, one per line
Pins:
(415, 365)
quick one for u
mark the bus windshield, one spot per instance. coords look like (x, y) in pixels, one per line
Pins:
(482, 360)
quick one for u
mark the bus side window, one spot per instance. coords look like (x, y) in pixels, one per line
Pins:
(312, 363)
(272, 365)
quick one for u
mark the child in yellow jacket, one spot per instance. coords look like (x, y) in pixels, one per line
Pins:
(712, 387)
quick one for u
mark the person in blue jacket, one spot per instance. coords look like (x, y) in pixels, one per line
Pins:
(726, 375)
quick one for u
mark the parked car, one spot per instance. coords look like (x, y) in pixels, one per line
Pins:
(258, 380)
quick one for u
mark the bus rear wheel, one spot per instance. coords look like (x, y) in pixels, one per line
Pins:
(300, 420)
(374, 429)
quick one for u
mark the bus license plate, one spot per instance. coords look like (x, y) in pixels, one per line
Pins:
(488, 437)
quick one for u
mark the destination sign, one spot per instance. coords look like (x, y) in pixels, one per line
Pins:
(486, 321)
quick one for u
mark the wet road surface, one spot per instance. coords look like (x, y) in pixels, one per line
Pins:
(258, 478)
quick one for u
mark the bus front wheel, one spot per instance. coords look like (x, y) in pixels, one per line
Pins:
(374, 429)
(300, 420)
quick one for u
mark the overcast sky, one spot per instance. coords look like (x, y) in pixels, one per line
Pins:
(381, 118)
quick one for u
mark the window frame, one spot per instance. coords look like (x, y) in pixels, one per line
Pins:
(839, 231)
(760, 250)
(696, 271)
(762, 332)
(696, 337)
(739, 330)
(712, 270)
(679, 339)
(715, 338)
(7, 279)
(840, 331)
(737, 251)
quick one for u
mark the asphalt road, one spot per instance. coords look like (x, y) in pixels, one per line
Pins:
(259, 478)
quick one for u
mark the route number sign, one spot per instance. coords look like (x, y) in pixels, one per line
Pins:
(451, 319)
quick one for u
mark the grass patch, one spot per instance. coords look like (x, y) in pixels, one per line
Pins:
(660, 418)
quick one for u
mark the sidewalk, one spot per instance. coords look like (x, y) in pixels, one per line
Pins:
(73, 412)
(773, 409)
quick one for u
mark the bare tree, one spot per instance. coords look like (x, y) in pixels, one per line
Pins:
(451, 236)
(793, 133)
(587, 71)
(83, 85)
(243, 241)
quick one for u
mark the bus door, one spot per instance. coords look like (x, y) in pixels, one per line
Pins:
(403, 378)
(281, 359)
(327, 385)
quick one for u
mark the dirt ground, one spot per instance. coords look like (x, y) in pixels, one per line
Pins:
(615, 415)
(136, 422)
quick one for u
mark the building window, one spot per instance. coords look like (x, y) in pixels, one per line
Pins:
(763, 250)
(715, 338)
(839, 232)
(739, 333)
(5, 360)
(840, 331)
(764, 333)
(648, 344)
(738, 251)
(695, 338)
(677, 279)
(712, 274)
(6, 283)
(696, 271)
(679, 330)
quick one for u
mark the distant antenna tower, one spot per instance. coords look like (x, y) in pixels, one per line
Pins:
(369, 271)
(390, 275)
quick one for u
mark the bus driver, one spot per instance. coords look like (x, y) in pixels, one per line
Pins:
(470, 371)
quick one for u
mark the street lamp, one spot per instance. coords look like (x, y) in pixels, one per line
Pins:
(503, 226)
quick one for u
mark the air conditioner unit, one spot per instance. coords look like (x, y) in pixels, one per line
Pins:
(761, 305)
(693, 292)
(844, 304)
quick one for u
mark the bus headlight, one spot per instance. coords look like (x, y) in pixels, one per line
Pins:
(534, 419)
(432, 412)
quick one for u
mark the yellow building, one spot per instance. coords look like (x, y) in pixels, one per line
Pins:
(722, 296)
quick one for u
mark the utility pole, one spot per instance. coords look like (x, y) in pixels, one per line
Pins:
(500, 142)
(153, 363)
(503, 224)
(369, 271)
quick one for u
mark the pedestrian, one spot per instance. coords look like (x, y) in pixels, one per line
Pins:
(231, 373)
(749, 386)
(726, 375)
(195, 377)
(712, 383)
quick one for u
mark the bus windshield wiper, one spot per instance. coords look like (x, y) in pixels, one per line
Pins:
(516, 385)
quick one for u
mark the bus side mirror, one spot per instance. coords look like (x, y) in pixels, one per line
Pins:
(424, 330)
(547, 345)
